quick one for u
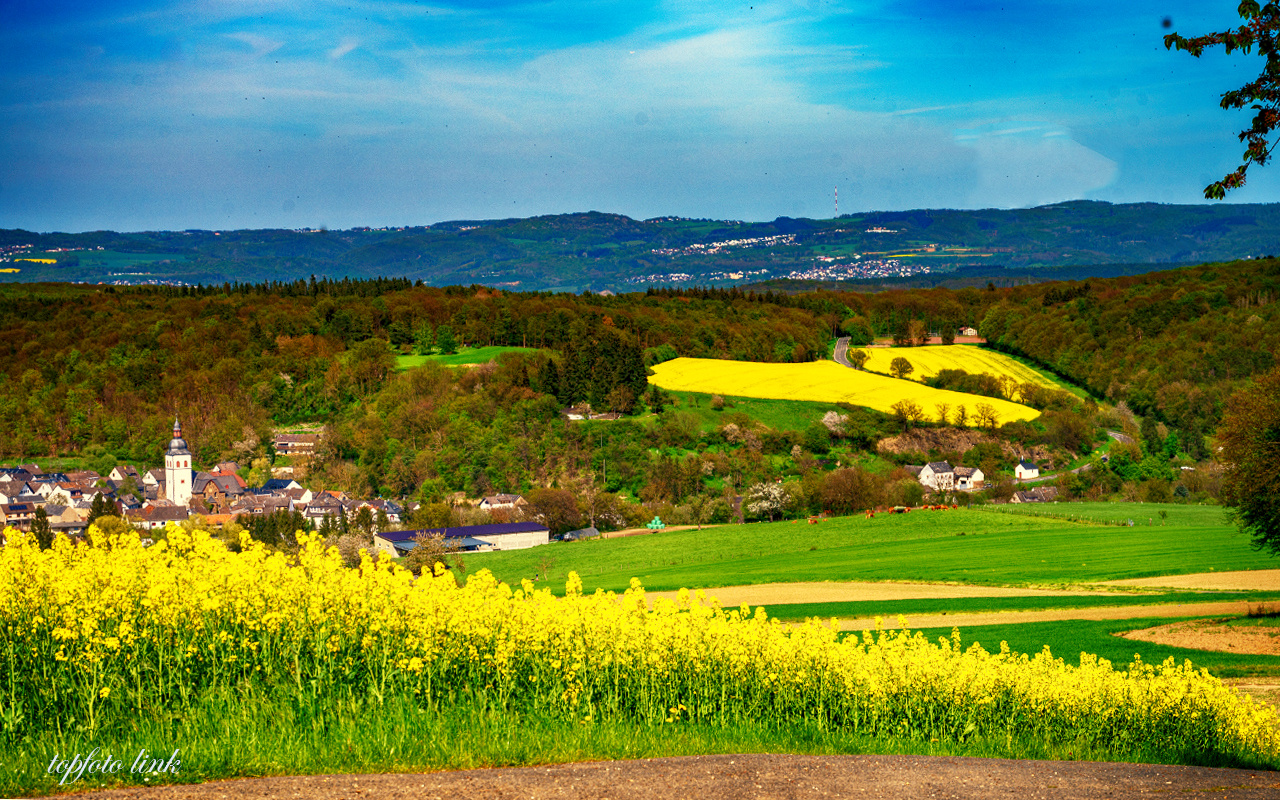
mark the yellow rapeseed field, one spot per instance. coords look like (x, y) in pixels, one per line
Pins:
(822, 381)
(930, 360)
(96, 637)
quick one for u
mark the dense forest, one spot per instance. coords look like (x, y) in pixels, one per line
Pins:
(100, 372)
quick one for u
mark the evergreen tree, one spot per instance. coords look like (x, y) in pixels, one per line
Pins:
(42, 530)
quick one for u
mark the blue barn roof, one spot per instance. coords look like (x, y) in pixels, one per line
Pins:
(465, 531)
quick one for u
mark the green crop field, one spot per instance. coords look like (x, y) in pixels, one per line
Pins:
(961, 546)
(1067, 639)
(1140, 514)
(464, 357)
(890, 609)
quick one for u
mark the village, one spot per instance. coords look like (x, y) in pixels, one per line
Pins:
(148, 500)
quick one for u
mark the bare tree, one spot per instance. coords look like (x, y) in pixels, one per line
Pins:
(986, 417)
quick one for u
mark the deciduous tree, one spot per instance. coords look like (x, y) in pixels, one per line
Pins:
(900, 367)
(1250, 441)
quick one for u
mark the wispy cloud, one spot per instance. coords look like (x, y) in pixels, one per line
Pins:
(347, 44)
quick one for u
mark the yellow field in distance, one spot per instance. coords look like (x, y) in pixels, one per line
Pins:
(820, 381)
(932, 359)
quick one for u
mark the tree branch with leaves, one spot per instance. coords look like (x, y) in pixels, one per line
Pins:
(1261, 30)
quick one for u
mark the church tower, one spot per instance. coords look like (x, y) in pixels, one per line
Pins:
(177, 468)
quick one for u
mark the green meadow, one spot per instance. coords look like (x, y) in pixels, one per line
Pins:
(889, 609)
(952, 546)
(464, 357)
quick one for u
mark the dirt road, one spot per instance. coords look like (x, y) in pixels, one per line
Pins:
(752, 777)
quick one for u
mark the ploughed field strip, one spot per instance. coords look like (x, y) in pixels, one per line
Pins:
(865, 605)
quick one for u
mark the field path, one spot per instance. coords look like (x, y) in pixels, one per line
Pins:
(1262, 580)
(743, 777)
(918, 621)
(833, 592)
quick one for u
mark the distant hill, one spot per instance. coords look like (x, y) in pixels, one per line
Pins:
(595, 251)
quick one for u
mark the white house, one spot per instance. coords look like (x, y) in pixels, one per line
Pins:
(1026, 470)
(938, 475)
(497, 501)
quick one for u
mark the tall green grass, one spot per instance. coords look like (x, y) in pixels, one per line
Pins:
(252, 734)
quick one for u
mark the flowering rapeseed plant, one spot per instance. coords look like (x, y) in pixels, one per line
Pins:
(96, 636)
(822, 381)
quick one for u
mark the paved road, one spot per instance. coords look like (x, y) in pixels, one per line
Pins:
(743, 777)
(841, 354)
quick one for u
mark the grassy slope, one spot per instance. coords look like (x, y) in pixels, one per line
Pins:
(465, 356)
(780, 415)
(920, 546)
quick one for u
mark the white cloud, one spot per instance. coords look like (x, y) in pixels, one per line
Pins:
(347, 44)
(1022, 164)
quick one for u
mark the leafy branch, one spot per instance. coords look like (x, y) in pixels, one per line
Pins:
(1263, 94)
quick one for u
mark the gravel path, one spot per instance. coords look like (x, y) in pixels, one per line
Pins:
(737, 777)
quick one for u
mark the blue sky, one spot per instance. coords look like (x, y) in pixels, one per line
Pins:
(136, 115)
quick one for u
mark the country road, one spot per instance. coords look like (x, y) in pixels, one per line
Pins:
(841, 354)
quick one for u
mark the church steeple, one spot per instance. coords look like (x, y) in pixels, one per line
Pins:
(177, 468)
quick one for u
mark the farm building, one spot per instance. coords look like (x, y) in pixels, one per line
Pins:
(969, 478)
(469, 538)
(1026, 470)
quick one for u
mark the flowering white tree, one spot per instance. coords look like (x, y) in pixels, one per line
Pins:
(767, 499)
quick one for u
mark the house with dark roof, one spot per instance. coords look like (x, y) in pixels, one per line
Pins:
(1026, 470)
(938, 476)
(1040, 494)
(154, 517)
(278, 485)
(17, 515)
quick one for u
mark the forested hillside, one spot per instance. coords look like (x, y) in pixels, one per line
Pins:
(86, 366)
(594, 251)
(101, 372)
